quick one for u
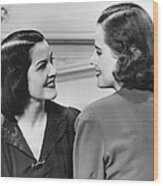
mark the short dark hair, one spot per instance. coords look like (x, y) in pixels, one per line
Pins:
(15, 62)
(129, 31)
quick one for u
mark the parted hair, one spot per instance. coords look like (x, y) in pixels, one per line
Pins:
(15, 62)
(129, 31)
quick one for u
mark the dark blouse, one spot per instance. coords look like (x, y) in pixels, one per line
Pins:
(17, 160)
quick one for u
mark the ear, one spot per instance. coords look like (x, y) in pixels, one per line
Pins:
(135, 53)
(126, 62)
(123, 63)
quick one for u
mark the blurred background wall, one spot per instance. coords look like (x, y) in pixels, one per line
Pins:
(69, 28)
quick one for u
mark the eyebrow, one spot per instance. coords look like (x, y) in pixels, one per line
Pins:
(43, 60)
(51, 54)
(98, 48)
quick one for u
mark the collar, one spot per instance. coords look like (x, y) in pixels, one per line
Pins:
(136, 95)
(55, 130)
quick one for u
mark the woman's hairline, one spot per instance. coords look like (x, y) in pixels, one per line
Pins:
(14, 43)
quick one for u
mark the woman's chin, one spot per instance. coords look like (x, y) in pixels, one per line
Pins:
(54, 97)
(51, 95)
(101, 85)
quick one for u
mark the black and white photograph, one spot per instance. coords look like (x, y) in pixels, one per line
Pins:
(77, 90)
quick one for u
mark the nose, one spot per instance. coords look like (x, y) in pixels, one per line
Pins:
(93, 60)
(52, 70)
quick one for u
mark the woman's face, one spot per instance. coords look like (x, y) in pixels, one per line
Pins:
(42, 73)
(104, 60)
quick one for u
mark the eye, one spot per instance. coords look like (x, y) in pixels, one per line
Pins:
(42, 65)
(52, 59)
(98, 52)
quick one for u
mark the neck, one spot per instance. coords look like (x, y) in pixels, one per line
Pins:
(34, 112)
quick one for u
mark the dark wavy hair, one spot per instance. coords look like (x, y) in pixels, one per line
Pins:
(15, 62)
(129, 31)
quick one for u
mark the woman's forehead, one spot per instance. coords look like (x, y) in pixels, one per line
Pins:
(42, 46)
(40, 50)
(99, 35)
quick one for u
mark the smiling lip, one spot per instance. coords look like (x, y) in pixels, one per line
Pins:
(98, 73)
(50, 84)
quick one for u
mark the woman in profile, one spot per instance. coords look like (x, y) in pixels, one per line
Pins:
(37, 134)
(115, 135)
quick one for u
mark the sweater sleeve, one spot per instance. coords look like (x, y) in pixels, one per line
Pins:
(88, 148)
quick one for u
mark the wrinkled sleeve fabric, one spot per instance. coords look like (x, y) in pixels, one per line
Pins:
(88, 148)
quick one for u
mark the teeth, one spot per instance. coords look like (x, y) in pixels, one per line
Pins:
(98, 72)
(50, 84)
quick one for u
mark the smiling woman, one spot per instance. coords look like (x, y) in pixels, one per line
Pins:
(115, 135)
(42, 72)
(37, 134)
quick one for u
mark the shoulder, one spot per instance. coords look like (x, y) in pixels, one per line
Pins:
(121, 104)
(107, 103)
(121, 101)
(58, 108)
(103, 111)
(72, 112)
(60, 112)
(64, 116)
